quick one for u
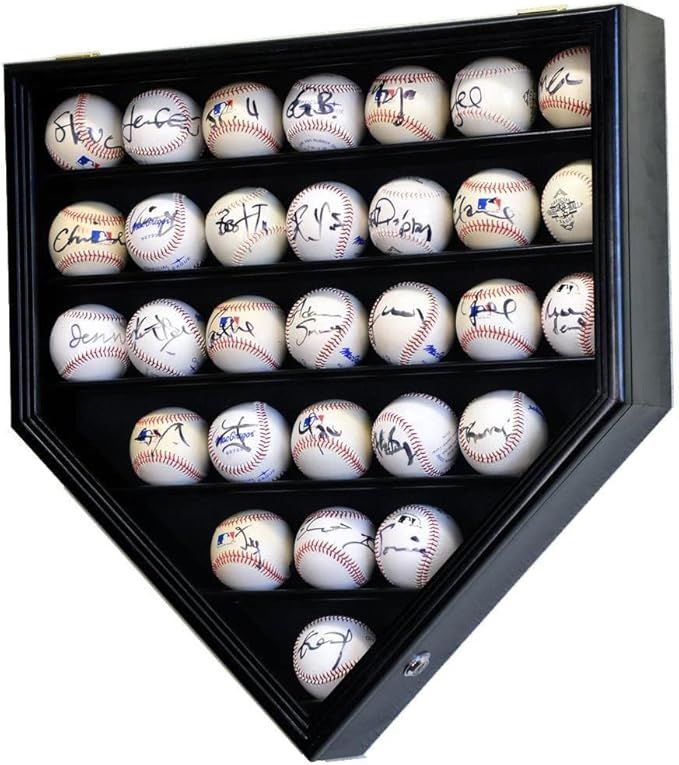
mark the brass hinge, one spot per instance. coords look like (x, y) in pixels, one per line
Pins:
(542, 9)
(71, 56)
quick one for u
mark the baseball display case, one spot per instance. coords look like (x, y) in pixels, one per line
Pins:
(580, 411)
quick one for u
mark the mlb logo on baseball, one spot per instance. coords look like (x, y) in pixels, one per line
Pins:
(489, 204)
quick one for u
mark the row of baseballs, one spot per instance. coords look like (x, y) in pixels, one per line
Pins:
(334, 549)
(327, 328)
(415, 436)
(495, 208)
(323, 111)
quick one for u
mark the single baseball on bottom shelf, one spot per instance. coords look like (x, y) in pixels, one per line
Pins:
(246, 334)
(243, 119)
(413, 542)
(327, 221)
(166, 232)
(411, 323)
(416, 436)
(565, 89)
(84, 133)
(498, 320)
(567, 203)
(334, 549)
(326, 650)
(327, 329)
(246, 227)
(87, 343)
(502, 433)
(331, 440)
(168, 447)
(411, 216)
(162, 125)
(323, 111)
(166, 338)
(493, 95)
(252, 550)
(87, 239)
(496, 208)
(568, 316)
(407, 104)
(250, 443)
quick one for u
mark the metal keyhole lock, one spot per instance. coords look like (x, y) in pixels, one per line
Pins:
(417, 664)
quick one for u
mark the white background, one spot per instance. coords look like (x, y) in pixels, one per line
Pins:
(577, 664)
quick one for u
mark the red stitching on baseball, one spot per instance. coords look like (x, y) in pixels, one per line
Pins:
(260, 453)
(501, 187)
(498, 119)
(576, 51)
(586, 333)
(246, 247)
(236, 89)
(513, 439)
(332, 551)
(322, 127)
(340, 332)
(94, 354)
(175, 143)
(424, 565)
(406, 78)
(321, 678)
(98, 150)
(192, 322)
(105, 258)
(337, 87)
(223, 343)
(259, 515)
(411, 125)
(237, 125)
(569, 104)
(492, 227)
(151, 256)
(393, 418)
(75, 313)
(570, 172)
(238, 556)
(382, 233)
(342, 450)
(169, 459)
(165, 417)
(413, 345)
(93, 218)
(473, 73)
(504, 336)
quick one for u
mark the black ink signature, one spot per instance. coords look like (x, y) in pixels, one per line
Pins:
(313, 423)
(558, 80)
(315, 640)
(365, 541)
(155, 218)
(64, 127)
(313, 230)
(162, 329)
(310, 322)
(310, 526)
(153, 437)
(252, 219)
(465, 210)
(470, 99)
(79, 338)
(162, 117)
(320, 103)
(493, 430)
(403, 313)
(246, 542)
(388, 446)
(383, 213)
(384, 95)
(478, 309)
(220, 111)
(235, 436)
(66, 237)
(408, 520)
(230, 326)
(565, 319)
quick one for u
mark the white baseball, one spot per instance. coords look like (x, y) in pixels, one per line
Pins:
(568, 316)
(162, 125)
(246, 227)
(502, 433)
(252, 550)
(493, 95)
(497, 208)
(411, 323)
(166, 338)
(250, 443)
(243, 119)
(406, 104)
(416, 435)
(567, 203)
(83, 133)
(327, 328)
(413, 542)
(166, 232)
(498, 320)
(87, 342)
(169, 447)
(326, 650)
(334, 549)
(327, 221)
(246, 334)
(411, 216)
(324, 111)
(331, 440)
(88, 238)
(565, 89)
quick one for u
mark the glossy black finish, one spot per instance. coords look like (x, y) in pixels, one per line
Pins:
(598, 409)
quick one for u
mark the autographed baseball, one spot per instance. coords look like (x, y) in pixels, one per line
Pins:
(568, 316)
(243, 119)
(327, 221)
(327, 328)
(88, 238)
(246, 227)
(565, 89)
(83, 133)
(502, 433)
(87, 342)
(493, 95)
(246, 334)
(334, 549)
(567, 203)
(166, 232)
(166, 338)
(495, 209)
(169, 447)
(411, 323)
(412, 544)
(411, 216)
(252, 550)
(324, 111)
(416, 436)
(250, 443)
(406, 104)
(326, 650)
(162, 125)
(498, 320)
(331, 441)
